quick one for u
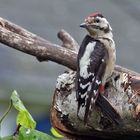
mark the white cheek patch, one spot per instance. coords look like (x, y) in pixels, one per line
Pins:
(104, 23)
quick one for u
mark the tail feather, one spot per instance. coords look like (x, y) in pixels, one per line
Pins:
(107, 109)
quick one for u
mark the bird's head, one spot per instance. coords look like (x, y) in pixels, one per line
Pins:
(96, 25)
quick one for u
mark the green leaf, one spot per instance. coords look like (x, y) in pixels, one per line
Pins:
(31, 134)
(55, 133)
(24, 118)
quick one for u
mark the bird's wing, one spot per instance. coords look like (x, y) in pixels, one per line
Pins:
(98, 63)
(89, 78)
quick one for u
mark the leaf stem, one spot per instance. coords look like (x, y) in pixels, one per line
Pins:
(6, 112)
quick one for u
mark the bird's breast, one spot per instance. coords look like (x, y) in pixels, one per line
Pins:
(110, 46)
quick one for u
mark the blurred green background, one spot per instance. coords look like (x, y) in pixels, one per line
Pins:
(35, 81)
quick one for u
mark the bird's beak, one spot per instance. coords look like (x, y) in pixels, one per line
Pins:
(83, 25)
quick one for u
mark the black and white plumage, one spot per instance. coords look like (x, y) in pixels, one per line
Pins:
(95, 64)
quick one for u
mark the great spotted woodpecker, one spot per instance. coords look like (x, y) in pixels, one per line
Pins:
(95, 64)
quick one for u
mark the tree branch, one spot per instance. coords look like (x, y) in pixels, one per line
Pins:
(15, 37)
(20, 39)
(19, 30)
(68, 41)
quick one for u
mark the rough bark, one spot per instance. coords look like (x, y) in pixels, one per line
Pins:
(124, 85)
(122, 91)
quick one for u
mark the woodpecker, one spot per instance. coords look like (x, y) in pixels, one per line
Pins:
(95, 64)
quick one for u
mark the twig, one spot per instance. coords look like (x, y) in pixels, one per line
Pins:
(68, 41)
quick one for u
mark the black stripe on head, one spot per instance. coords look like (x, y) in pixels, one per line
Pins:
(106, 30)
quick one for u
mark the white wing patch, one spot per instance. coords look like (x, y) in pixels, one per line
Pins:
(84, 86)
(85, 60)
(98, 82)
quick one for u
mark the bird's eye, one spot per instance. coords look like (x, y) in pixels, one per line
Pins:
(97, 20)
